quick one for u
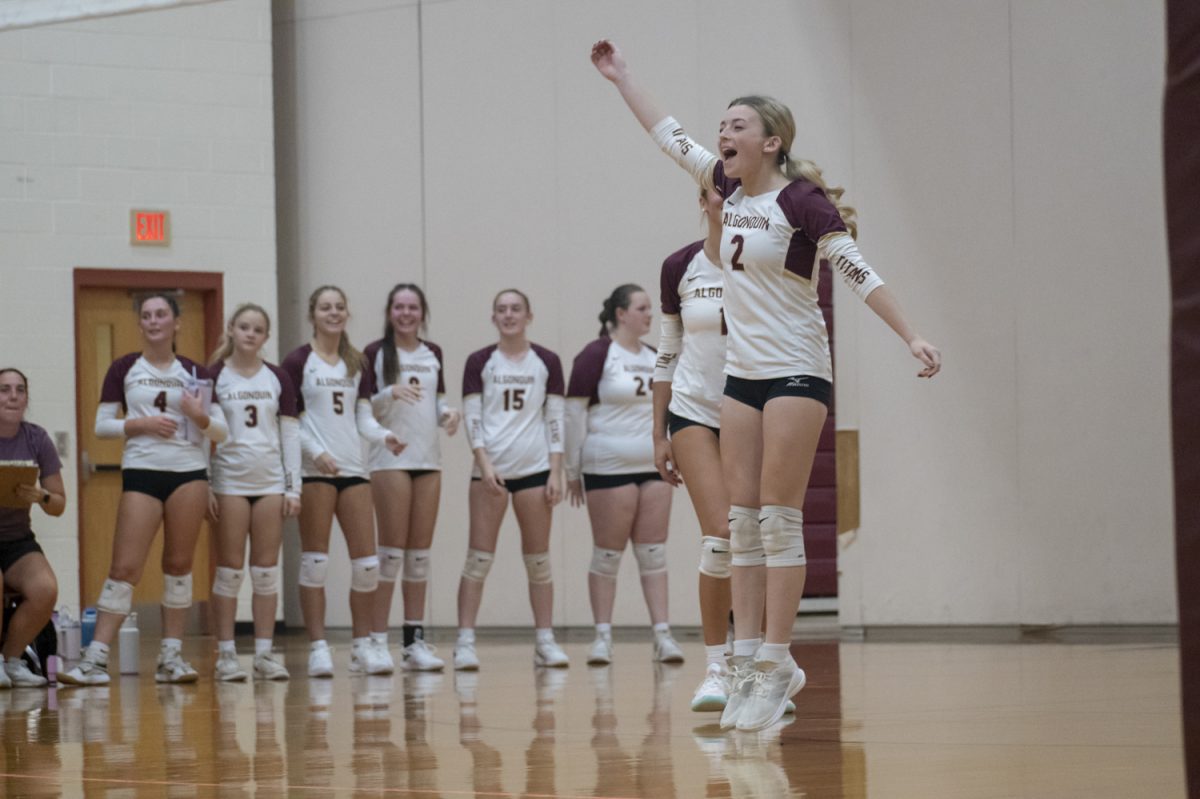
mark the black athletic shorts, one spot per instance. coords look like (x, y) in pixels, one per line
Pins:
(757, 393)
(593, 482)
(340, 483)
(12, 551)
(514, 485)
(675, 423)
(160, 485)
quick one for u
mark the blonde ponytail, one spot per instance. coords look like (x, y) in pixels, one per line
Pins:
(803, 169)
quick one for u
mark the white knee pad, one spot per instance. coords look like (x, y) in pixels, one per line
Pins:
(745, 537)
(177, 590)
(228, 582)
(116, 597)
(651, 558)
(364, 574)
(716, 558)
(478, 564)
(783, 535)
(416, 566)
(537, 566)
(265, 580)
(391, 561)
(314, 569)
(606, 562)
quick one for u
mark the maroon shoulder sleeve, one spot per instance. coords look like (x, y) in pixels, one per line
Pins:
(437, 353)
(214, 374)
(473, 371)
(725, 185)
(673, 270)
(807, 208)
(366, 379)
(113, 389)
(288, 397)
(554, 381)
(587, 370)
(369, 354)
(293, 367)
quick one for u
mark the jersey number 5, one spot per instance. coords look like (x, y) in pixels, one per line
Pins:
(338, 407)
(514, 399)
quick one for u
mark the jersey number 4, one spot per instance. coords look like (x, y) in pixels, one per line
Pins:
(514, 399)
(160, 402)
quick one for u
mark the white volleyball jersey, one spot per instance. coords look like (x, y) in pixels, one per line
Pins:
(335, 412)
(254, 461)
(416, 424)
(140, 389)
(614, 385)
(771, 248)
(691, 289)
(514, 409)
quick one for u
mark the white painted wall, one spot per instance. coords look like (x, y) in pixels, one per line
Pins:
(1004, 157)
(166, 109)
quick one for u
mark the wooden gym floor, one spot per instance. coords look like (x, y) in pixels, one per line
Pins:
(952, 715)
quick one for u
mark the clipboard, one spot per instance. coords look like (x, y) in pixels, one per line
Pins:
(13, 474)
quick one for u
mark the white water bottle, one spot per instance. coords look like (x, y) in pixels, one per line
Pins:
(129, 641)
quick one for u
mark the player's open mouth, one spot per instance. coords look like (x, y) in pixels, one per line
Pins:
(728, 153)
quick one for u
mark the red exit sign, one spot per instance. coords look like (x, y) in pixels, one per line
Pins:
(150, 228)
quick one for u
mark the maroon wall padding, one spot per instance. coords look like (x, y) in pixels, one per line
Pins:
(820, 504)
(1181, 157)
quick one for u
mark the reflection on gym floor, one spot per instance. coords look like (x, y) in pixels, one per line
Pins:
(930, 720)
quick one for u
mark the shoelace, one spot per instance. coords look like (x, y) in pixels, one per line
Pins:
(758, 680)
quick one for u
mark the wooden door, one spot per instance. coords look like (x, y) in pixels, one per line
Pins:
(106, 329)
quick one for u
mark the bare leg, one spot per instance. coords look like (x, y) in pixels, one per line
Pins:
(233, 527)
(487, 512)
(391, 491)
(138, 518)
(650, 527)
(791, 430)
(534, 516)
(358, 525)
(612, 511)
(33, 579)
(266, 537)
(184, 511)
(698, 458)
(741, 464)
(317, 503)
(427, 493)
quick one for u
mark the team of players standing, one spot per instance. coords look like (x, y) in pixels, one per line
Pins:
(743, 360)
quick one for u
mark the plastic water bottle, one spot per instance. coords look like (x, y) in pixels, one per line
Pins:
(129, 642)
(87, 626)
(69, 635)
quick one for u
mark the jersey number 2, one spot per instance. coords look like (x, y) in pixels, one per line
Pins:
(641, 386)
(735, 261)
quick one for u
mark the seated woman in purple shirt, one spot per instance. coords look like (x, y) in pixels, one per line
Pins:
(24, 570)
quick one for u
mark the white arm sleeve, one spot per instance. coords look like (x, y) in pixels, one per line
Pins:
(553, 414)
(695, 160)
(843, 255)
(368, 428)
(107, 423)
(473, 415)
(218, 429)
(382, 401)
(576, 432)
(310, 445)
(670, 344)
(289, 433)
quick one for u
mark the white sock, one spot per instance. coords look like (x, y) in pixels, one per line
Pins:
(466, 635)
(172, 643)
(774, 653)
(746, 647)
(412, 623)
(662, 628)
(380, 638)
(262, 646)
(97, 652)
(361, 642)
(315, 645)
(545, 635)
(226, 646)
(715, 654)
(604, 630)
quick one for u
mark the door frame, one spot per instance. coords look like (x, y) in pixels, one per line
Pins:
(210, 286)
